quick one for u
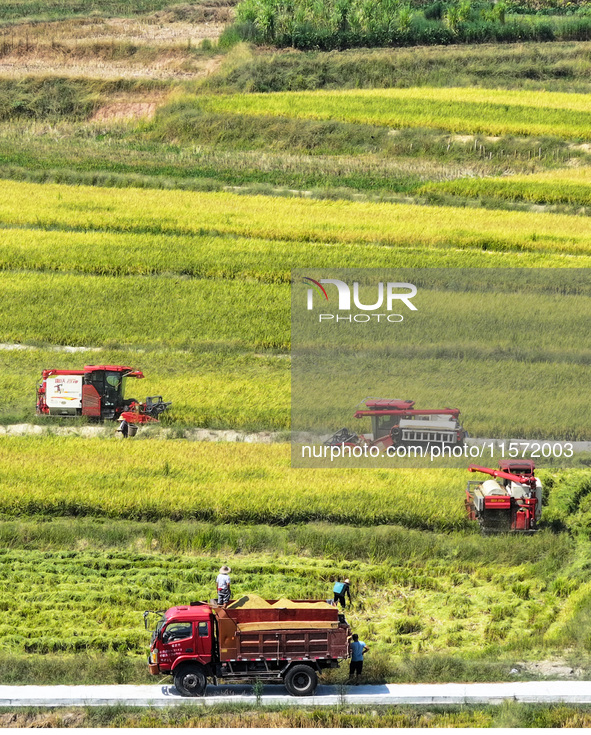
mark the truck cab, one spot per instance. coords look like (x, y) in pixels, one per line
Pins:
(184, 633)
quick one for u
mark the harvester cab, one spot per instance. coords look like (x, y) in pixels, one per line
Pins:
(396, 422)
(96, 391)
(511, 502)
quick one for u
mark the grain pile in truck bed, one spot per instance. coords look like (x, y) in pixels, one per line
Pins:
(254, 602)
(250, 602)
(291, 605)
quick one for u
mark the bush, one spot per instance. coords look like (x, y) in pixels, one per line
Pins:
(434, 11)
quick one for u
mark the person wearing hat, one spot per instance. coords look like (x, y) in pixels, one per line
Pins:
(341, 589)
(223, 585)
(124, 428)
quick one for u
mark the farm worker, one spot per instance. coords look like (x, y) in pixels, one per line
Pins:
(223, 585)
(357, 649)
(124, 428)
(341, 589)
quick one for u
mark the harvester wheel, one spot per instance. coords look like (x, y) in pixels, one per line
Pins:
(190, 680)
(301, 681)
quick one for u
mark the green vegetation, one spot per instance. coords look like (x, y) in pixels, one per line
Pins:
(458, 110)
(544, 66)
(570, 187)
(169, 243)
(509, 714)
(342, 24)
(320, 159)
(54, 98)
(40, 475)
(125, 254)
(132, 321)
(434, 607)
(258, 485)
(190, 213)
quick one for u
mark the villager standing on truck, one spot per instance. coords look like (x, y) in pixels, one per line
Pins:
(223, 585)
(341, 589)
(357, 649)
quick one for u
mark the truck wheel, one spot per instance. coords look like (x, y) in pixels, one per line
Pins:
(301, 681)
(190, 681)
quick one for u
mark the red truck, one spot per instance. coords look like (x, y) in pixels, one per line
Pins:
(289, 641)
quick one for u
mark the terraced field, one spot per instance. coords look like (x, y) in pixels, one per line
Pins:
(459, 110)
(140, 271)
(194, 213)
(169, 244)
(569, 186)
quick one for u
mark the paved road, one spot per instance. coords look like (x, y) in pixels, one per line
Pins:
(574, 692)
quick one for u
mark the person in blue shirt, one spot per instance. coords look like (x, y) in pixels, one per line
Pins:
(358, 649)
(341, 589)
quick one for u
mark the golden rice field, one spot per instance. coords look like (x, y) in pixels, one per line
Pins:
(220, 482)
(456, 109)
(228, 256)
(54, 206)
(568, 186)
(194, 289)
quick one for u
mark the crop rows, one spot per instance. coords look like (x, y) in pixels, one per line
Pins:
(456, 109)
(194, 214)
(214, 482)
(228, 257)
(101, 311)
(213, 378)
(68, 601)
(233, 483)
(571, 187)
(256, 315)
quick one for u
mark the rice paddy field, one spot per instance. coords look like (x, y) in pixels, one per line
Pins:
(459, 110)
(561, 187)
(152, 213)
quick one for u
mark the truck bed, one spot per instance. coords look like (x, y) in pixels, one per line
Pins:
(308, 631)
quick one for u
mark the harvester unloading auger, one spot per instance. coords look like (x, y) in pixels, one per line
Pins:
(511, 506)
(96, 391)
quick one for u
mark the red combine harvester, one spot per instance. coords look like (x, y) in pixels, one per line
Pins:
(252, 639)
(513, 505)
(96, 391)
(395, 422)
